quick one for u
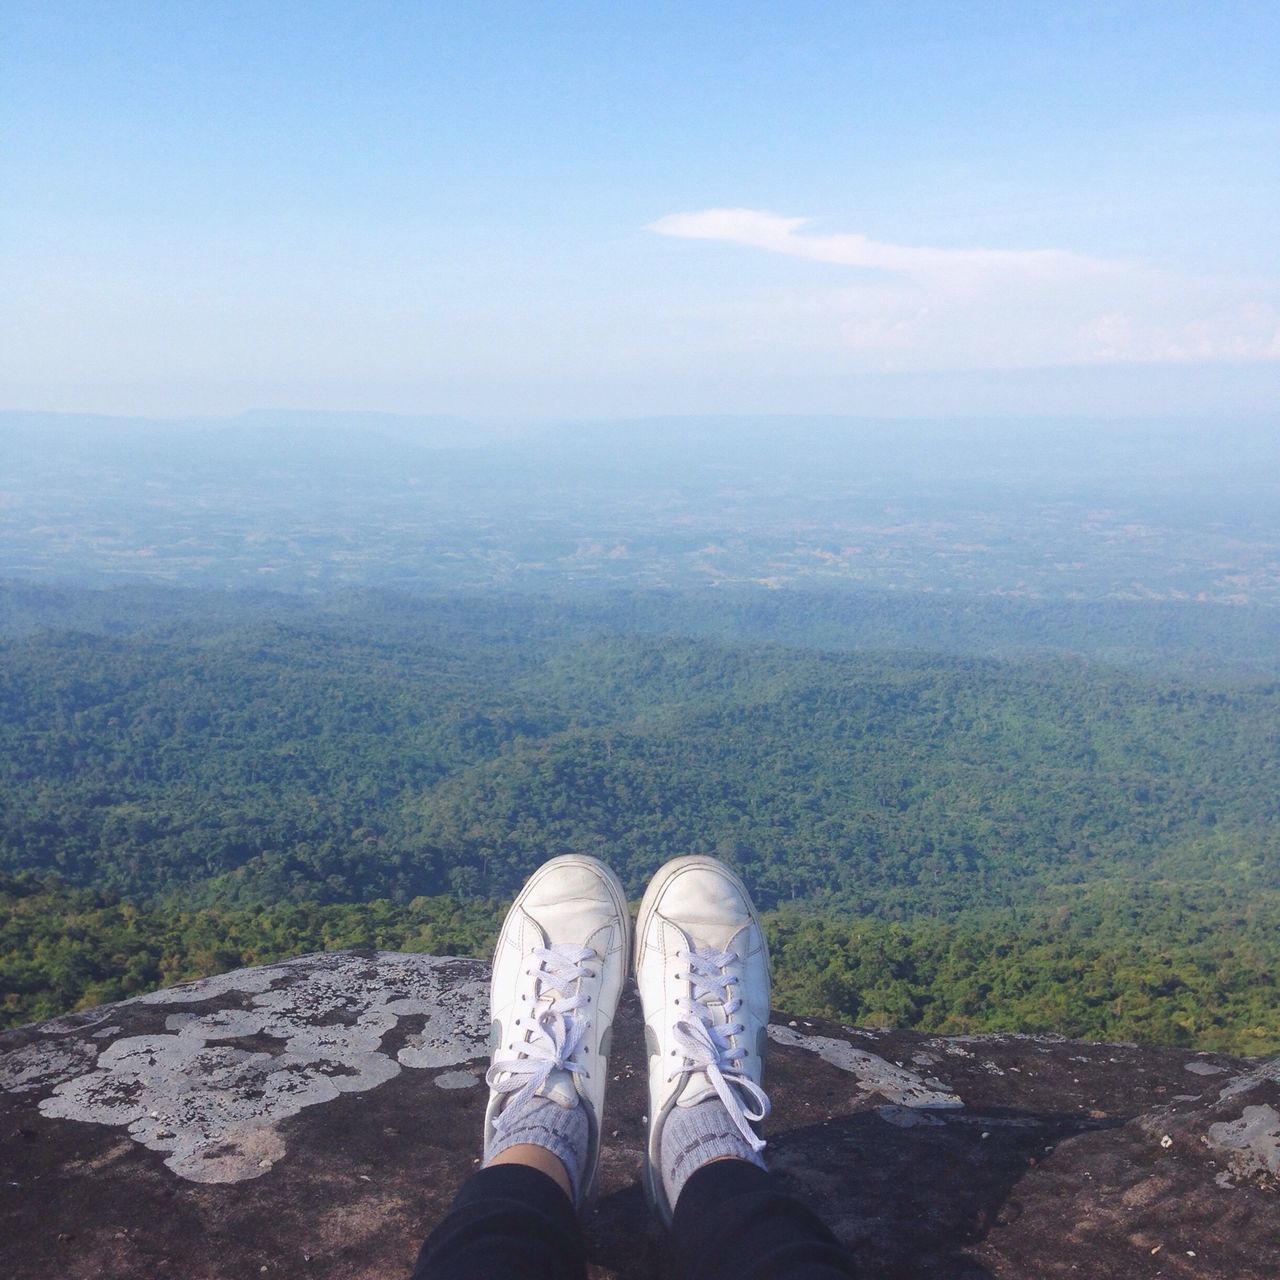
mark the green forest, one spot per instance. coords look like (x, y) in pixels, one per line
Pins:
(1115, 962)
(961, 841)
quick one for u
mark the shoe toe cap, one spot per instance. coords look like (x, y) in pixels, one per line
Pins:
(568, 882)
(572, 902)
(705, 896)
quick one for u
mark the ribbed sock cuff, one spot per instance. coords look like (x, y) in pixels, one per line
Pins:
(563, 1131)
(693, 1137)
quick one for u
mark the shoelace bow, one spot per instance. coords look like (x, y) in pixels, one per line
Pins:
(553, 1032)
(707, 1045)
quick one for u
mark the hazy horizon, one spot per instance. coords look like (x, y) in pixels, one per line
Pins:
(1066, 509)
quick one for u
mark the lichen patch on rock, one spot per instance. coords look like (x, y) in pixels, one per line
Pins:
(213, 1106)
(897, 1085)
(40, 1066)
(1199, 1068)
(1054, 1167)
(1253, 1141)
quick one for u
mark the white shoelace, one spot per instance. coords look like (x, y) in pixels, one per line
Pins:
(706, 1045)
(554, 1032)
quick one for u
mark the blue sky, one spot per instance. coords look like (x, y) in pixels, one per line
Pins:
(608, 209)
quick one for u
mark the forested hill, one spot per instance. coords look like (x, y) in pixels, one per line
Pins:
(192, 783)
(337, 760)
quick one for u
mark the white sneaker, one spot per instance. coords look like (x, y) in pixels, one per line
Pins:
(558, 971)
(702, 966)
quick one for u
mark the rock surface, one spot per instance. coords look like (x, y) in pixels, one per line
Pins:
(313, 1119)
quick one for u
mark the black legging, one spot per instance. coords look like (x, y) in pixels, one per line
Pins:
(731, 1223)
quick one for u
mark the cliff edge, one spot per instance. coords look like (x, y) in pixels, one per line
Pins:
(313, 1118)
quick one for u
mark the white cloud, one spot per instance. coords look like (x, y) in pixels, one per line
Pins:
(910, 306)
(785, 235)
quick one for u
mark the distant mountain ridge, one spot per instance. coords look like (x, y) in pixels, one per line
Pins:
(1216, 642)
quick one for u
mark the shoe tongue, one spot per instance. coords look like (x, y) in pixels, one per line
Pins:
(559, 1089)
(558, 1086)
(697, 1088)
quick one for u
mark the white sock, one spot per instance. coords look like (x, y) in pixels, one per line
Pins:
(543, 1122)
(694, 1136)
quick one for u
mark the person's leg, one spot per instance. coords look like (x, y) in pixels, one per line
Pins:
(732, 1222)
(702, 967)
(558, 971)
(508, 1220)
